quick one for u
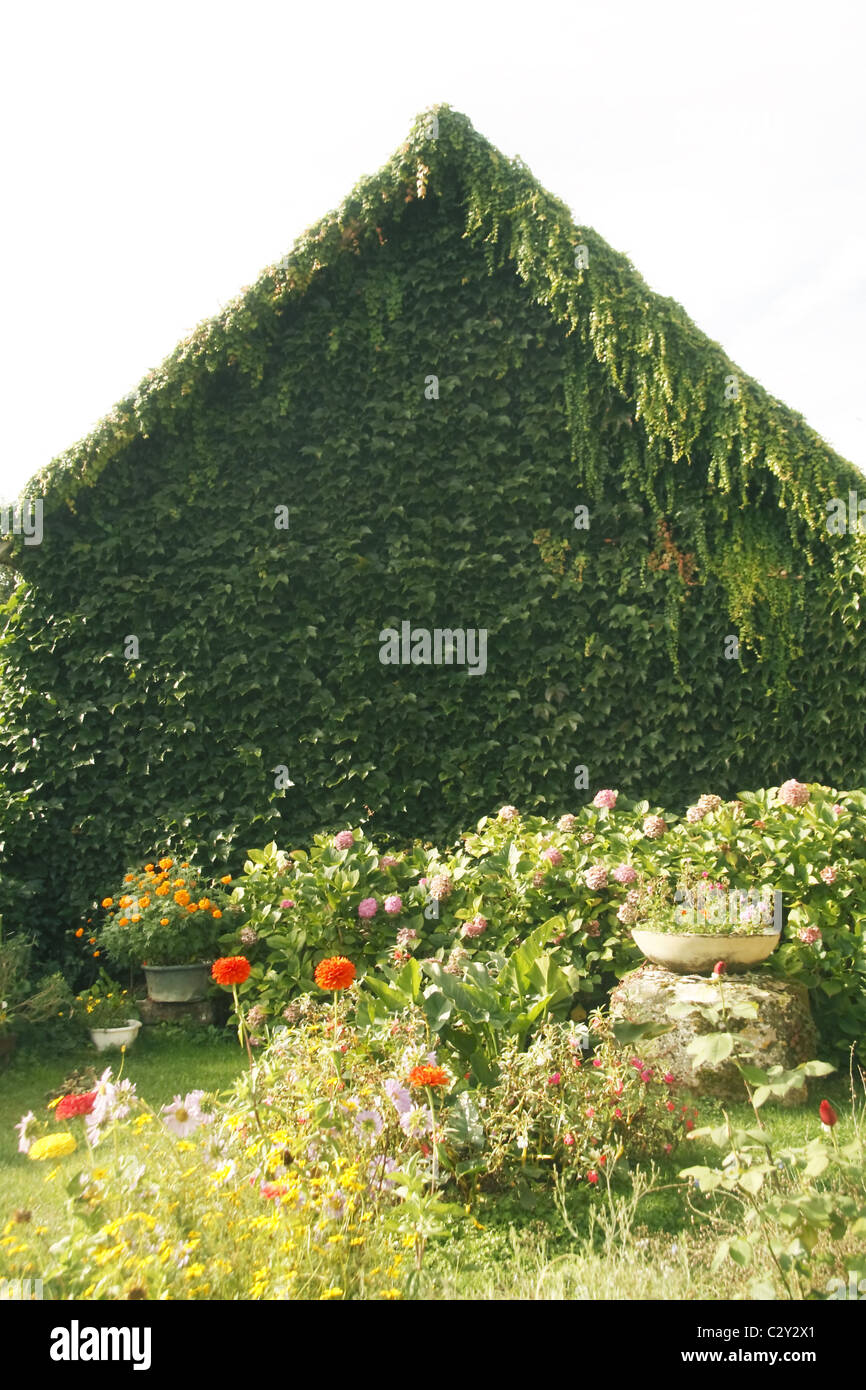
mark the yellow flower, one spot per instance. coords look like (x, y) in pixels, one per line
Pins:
(390, 1293)
(331, 1293)
(53, 1146)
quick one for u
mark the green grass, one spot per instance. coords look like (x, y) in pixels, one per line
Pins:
(643, 1239)
(165, 1061)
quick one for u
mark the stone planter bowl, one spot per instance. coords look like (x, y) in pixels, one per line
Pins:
(689, 953)
(104, 1038)
(177, 984)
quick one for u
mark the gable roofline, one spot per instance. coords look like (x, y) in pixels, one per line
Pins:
(651, 351)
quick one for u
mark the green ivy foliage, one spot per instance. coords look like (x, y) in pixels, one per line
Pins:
(259, 647)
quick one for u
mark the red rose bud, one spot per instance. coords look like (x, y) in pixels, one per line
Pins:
(719, 968)
(827, 1113)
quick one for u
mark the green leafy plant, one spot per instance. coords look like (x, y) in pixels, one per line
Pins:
(105, 1004)
(24, 999)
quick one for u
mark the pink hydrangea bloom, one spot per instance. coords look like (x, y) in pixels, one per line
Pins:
(605, 799)
(709, 803)
(793, 793)
(553, 856)
(627, 915)
(654, 827)
(508, 813)
(593, 928)
(694, 814)
(829, 874)
(393, 904)
(440, 886)
(565, 823)
(388, 862)
(368, 907)
(476, 927)
(624, 873)
(287, 902)
(596, 877)
(344, 840)
(810, 935)
(838, 810)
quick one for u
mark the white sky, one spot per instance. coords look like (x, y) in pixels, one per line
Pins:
(156, 157)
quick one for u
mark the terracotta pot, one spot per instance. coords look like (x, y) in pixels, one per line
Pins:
(691, 953)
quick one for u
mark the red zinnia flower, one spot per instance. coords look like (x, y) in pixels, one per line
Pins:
(592, 1176)
(335, 973)
(230, 970)
(428, 1076)
(827, 1113)
(70, 1106)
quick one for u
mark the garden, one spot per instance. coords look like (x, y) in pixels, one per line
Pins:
(402, 1071)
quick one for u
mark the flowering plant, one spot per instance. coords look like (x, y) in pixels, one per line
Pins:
(105, 1004)
(164, 914)
(694, 903)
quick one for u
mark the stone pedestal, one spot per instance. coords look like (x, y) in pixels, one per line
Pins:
(200, 1011)
(782, 1034)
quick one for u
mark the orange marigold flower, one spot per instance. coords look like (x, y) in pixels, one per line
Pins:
(192, 907)
(92, 940)
(230, 970)
(179, 883)
(148, 868)
(204, 903)
(80, 931)
(129, 878)
(96, 953)
(165, 863)
(182, 898)
(108, 902)
(335, 973)
(136, 916)
(124, 901)
(145, 901)
(429, 1076)
(226, 878)
(184, 865)
(163, 890)
(124, 922)
(216, 912)
(163, 921)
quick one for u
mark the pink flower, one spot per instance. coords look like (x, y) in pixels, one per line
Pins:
(669, 1078)
(388, 862)
(597, 1062)
(508, 813)
(537, 879)
(624, 873)
(829, 874)
(287, 902)
(690, 1124)
(654, 827)
(619, 1088)
(627, 915)
(476, 927)
(694, 814)
(719, 968)
(637, 1063)
(838, 810)
(568, 1139)
(793, 793)
(554, 1080)
(618, 1113)
(605, 799)
(565, 823)
(596, 877)
(553, 856)
(368, 907)
(587, 837)
(592, 928)
(392, 904)
(809, 935)
(592, 1176)
(668, 1148)
(589, 1112)
(646, 1074)
(344, 840)
(670, 1105)
(440, 887)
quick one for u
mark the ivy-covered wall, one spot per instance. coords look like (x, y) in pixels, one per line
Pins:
(258, 644)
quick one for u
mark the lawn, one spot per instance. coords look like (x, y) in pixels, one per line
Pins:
(647, 1238)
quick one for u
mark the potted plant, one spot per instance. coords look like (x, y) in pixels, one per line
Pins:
(168, 919)
(22, 1000)
(108, 1013)
(689, 925)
